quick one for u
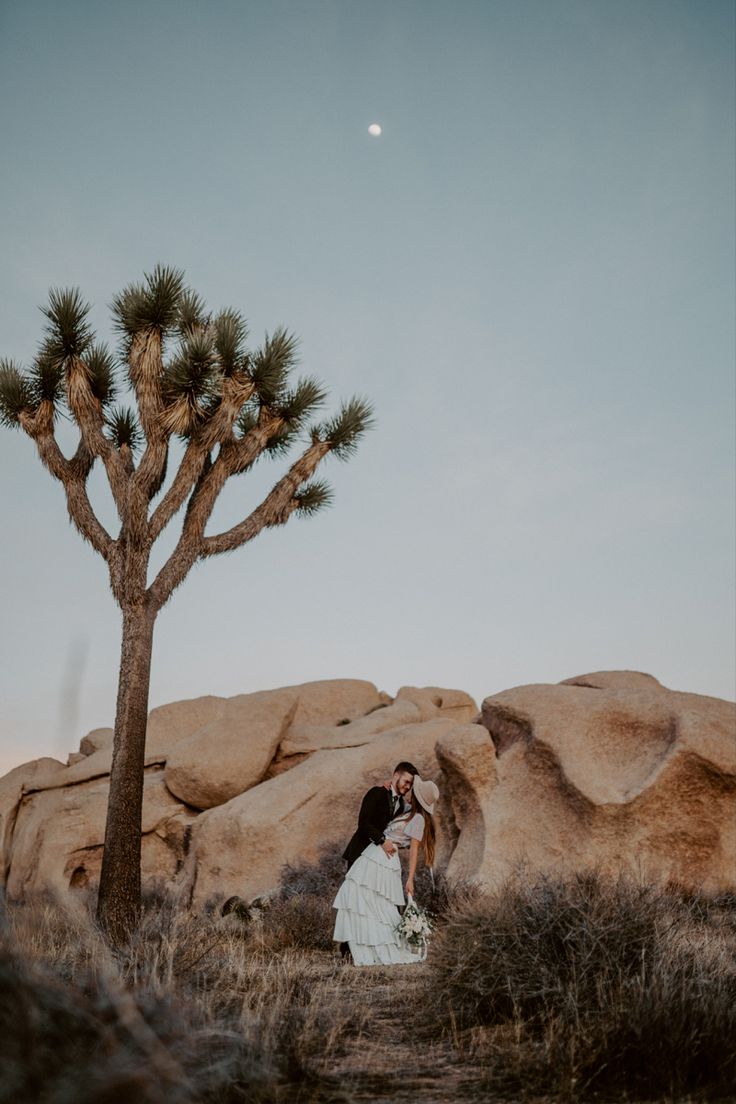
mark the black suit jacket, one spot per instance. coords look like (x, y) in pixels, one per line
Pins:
(375, 814)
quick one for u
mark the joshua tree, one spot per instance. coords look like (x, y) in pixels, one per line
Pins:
(192, 379)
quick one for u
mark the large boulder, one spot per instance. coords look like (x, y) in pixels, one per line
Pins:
(231, 754)
(467, 758)
(97, 740)
(434, 700)
(52, 816)
(325, 701)
(609, 770)
(59, 833)
(328, 701)
(11, 792)
(304, 738)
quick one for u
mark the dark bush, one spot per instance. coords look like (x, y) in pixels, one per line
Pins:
(670, 1030)
(300, 915)
(440, 895)
(190, 1010)
(320, 879)
(98, 1043)
(587, 984)
(304, 922)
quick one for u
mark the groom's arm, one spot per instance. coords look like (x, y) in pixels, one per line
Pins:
(371, 818)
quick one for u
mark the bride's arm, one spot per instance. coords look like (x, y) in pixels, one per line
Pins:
(413, 856)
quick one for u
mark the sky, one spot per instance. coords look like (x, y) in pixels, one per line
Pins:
(530, 273)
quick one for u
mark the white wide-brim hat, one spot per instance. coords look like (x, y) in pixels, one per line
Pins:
(426, 793)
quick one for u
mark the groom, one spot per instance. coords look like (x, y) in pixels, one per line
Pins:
(379, 806)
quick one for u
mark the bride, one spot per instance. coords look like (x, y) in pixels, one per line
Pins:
(368, 900)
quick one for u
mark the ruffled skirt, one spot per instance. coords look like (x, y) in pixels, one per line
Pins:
(367, 906)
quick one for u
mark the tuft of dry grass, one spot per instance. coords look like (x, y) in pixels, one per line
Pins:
(588, 985)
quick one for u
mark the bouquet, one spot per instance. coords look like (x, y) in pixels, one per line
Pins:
(414, 929)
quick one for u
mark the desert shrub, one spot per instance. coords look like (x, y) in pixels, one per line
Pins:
(591, 985)
(671, 1029)
(526, 947)
(300, 1015)
(43, 932)
(299, 915)
(99, 1043)
(188, 1011)
(237, 907)
(320, 878)
(304, 921)
(440, 895)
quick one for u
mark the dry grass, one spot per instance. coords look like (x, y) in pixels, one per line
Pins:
(573, 990)
(195, 1009)
(590, 988)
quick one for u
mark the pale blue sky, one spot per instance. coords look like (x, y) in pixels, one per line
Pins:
(531, 273)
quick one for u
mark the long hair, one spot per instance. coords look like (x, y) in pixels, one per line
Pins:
(428, 839)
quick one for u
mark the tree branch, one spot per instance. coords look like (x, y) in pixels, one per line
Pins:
(185, 479)
(233, 457)
(73, 474)
(276, 508)
(88, 416)
(146, 372)
(236, 390)
(186, 552)
(242, 453)
(218, 429)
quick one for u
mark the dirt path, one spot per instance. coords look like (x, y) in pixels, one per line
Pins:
(388, 1062)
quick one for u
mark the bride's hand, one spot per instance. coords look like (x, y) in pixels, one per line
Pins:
(410, 887)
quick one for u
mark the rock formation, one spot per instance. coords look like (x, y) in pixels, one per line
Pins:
(245, 842)
(609, 769)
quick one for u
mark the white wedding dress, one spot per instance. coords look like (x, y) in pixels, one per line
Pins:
(368, 900)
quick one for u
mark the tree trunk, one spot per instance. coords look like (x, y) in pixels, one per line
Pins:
(119, 900)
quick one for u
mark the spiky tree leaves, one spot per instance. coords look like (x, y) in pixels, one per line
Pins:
(314, 496)
(191, 376)
(269, 367)
(16, 393)
(124, 429)
(192, 313)
(190, 384)
(46, 380)
(247, 419)
(100, 365)
(229, 333)
(301, 402)
(69, 332)
(344, 431)
(152, 305)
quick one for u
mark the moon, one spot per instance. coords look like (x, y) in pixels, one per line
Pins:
(374, 130)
